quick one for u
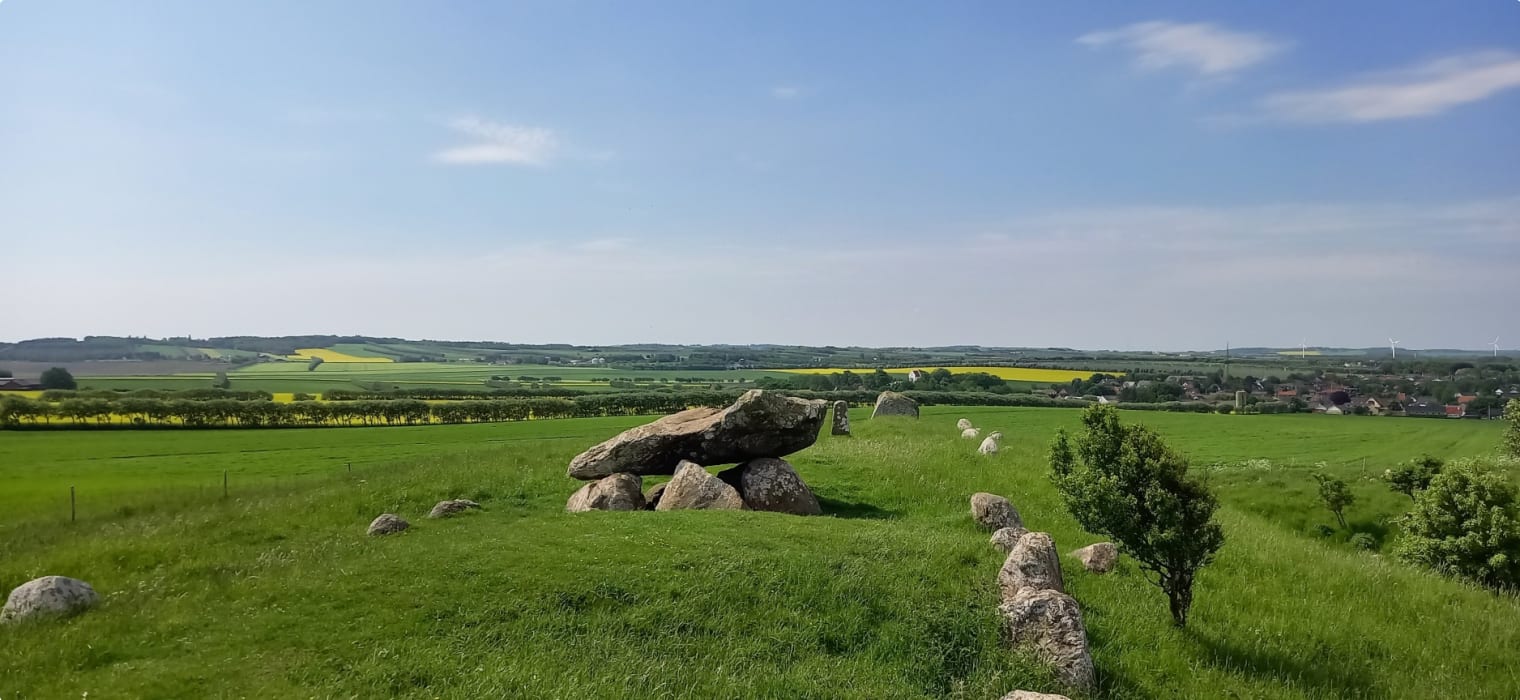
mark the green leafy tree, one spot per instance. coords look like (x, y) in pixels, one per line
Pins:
(1125, 482)
(58, 378)
(1512, 434)
(1467, 525)
(1335, 495)
(1414, 475)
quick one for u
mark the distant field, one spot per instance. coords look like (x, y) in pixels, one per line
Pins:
(1033, 375)
(329, 355)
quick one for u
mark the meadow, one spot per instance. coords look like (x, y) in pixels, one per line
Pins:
(275, 591)
(1032, 375)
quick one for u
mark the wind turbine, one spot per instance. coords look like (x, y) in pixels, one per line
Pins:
(1303, 349)
(1496, 346)
(1394, 346)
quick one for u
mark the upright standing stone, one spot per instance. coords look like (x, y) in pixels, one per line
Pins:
(891, 403)
(993, 512)
(1049, 623)
(692, 488)
(841, 418)
(773, 485)
(1032, 563)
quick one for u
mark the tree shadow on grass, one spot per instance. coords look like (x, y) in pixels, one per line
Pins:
(1323, 673)
(853, 509)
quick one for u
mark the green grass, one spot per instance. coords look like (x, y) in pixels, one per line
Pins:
(276, 592)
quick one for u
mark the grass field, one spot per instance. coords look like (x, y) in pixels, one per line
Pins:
(1034, 375)
(276, 592)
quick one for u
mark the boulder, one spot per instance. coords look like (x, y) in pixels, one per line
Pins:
(891, 403)
(1031, 695)
(652, 499)
(445, 509)
(692, 488)
(759, 424)
(387, 524)
(841, 418)
(1007, 537)
(993, 512)
(771, 484)
(1049, 623)
(1031, 564)
(1098, 558)
(616, 492)
(48, 596)
(963, 425)
(971, 433)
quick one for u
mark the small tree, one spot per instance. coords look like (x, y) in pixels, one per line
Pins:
(1414, 475)
(1467, 524)
(1512, 435)
(58, 378)
(1335, 495)
(1124, 482)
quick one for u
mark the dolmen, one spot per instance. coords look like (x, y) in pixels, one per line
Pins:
(754, 434)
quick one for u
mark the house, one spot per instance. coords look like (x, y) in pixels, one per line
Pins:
(1464, 399)
(915, 375)
(1424, 408)
(13, 384)
(1287, 392)
(1455, 411)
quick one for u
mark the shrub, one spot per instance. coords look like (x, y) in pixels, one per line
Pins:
(1125, 482)
(1512, 434)
(1467, 525)
(1335, 495)
(1414, 475)
(1364, 541)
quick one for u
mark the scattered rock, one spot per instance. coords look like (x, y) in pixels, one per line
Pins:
(387, 524)
(1049, 623)
(1031, 564)
(616, 492)
(841, 418)
(891, 403)
(693, 488)
(990, 444)
(772, 484)
(1007, 537)
(993, 512)
(963, 424)
(971, 433)
(652, 499)
(445, 509)
(1098, 558)
(1031, 695)
(759, 424)
(49, 595)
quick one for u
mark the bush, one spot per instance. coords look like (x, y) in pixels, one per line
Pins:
(1335, 495)
(1414, 475)
(58, 378)
(1124, 482)
(1466, 525)
(1364, 541)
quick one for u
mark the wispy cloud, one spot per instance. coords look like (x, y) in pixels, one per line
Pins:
(786, 92)
(498, 143)
(1421, 91)
(1210, 50)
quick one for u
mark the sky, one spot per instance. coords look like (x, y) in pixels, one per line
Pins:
(1148, 175)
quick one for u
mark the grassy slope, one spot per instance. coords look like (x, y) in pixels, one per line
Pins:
(280, 594)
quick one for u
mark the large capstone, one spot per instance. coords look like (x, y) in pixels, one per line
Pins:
(841, 418)
(891, 403)
(616, 492)
(759, 424)
(693, 488)
(1032, 564)
(772, 484)
(48, 596)
(1049, 623)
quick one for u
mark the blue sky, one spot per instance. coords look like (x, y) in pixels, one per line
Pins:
(1144, 175)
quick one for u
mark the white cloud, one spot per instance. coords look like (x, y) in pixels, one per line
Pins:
(1424, 90)
(495, 142)
(786, 92)
(1211, 50)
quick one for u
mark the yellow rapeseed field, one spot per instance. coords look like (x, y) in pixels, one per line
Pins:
(1015, 374)
(335, 356)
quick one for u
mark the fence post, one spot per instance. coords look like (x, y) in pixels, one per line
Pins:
(73, 511)
(350, 467)
(224, 483)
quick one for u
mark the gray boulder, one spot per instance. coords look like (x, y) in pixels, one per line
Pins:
(445, 509)
(1049, 623)
(771, 484)
(1031, 695)
(1031, 564)
(616, 492)
(759, 424)
(1098, 558)
(993, 512)
(891, 403)
(692, 488)
(387, 524)
(841, 418)
(48, 596)
(1006, 538)
(652, 499)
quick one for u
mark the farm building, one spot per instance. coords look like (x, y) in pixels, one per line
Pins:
(13, 384)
